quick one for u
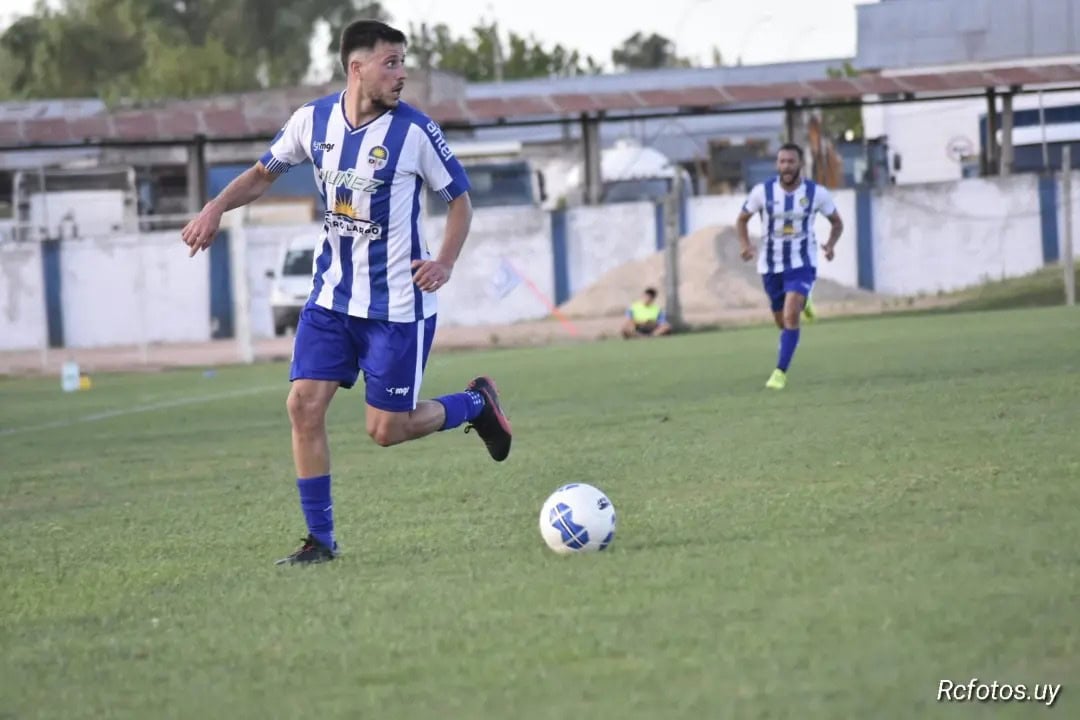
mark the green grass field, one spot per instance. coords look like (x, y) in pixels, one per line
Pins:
(907, 511)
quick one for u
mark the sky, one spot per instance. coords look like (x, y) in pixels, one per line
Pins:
(760, 31)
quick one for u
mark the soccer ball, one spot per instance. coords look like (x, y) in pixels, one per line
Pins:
(577, 518)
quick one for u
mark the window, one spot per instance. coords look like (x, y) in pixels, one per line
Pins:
(299, 262)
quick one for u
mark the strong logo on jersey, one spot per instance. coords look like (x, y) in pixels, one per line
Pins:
(437, 137)
(343, 218)
(350, 179)
(789, 218)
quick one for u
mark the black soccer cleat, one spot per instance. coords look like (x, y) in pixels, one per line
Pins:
(491, 424)
(310, 553)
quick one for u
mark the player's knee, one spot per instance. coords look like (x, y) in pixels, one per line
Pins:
(306, 412)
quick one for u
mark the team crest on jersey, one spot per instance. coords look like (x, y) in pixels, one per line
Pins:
(804, 201)
(378, 157)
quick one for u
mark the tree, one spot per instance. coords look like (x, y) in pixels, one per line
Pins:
(837, 122)
(17, 46)
(641, 52)
(482, 57)
(139, 49)
(528, 58)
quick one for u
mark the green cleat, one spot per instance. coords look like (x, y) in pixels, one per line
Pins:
(777, 380)
(808, 310)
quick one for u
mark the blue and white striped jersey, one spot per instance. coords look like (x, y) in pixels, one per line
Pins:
(787, 223)
(370, 178)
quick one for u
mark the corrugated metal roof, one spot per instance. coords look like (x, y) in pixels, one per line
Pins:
(660, 79)
(262, 115)
(15, 110)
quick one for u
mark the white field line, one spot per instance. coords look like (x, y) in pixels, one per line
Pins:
(136, 409)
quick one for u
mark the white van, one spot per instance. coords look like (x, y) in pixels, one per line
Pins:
(291, 282)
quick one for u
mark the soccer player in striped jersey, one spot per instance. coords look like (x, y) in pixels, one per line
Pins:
(788, 259)
(372, 307)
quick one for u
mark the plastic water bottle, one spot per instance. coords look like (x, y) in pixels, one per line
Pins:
(69, 376)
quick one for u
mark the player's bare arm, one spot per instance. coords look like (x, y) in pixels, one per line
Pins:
(247, 187)
(430, 275)
(742, 231)
(836, 229)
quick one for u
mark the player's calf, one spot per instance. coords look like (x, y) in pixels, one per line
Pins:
(793, 307)
(387, 427)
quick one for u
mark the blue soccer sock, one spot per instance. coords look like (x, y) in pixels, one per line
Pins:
(789, 339)
(318, 508)
(460, 408)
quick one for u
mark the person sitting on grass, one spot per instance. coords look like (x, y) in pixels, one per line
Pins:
(645, 317)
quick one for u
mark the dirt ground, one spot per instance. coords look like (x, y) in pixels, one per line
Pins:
(716, 289)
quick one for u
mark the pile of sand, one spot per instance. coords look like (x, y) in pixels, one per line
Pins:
(712, 278)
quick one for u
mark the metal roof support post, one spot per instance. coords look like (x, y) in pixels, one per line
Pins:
(590, 135)
(1006, 166)
(196, 174)
(789, 121)
(991, 157)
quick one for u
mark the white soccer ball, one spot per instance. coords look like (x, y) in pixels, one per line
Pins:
(577, 518)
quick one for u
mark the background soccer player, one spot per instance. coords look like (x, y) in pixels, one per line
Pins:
(788, 261)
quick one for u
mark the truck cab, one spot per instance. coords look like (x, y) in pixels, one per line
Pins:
(499, 176)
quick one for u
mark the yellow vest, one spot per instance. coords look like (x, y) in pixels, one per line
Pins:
(642, 313)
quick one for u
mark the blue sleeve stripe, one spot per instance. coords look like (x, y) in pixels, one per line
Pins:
(457, 187)
(273, 164)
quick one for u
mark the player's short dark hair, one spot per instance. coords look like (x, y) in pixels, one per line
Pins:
(363, 35)
(793, 148)
(651, 292)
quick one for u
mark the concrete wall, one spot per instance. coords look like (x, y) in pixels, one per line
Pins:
(128, 289)
(600, 239)
(942, 32)
(946, 236)
(1075, 178)
(518, 237)
(22, 297)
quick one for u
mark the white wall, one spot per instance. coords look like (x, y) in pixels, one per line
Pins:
(129, 289)
(927, 238)
(600, 239)
(946, 236)
(520, 236)
(844, 267)
(722, 210)
(705, 210)
(1075, 178)
(22, 297)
